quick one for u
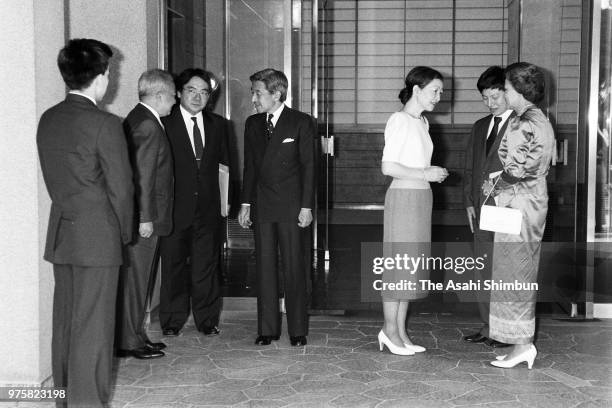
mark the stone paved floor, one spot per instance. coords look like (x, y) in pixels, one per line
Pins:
(342, 367)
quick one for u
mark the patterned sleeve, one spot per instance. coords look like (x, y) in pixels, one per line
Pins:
(524, 147)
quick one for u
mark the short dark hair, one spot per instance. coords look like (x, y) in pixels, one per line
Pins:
(273, 80)
(493, 78)
(189, 73)
(527, 79)
(420, 76)
(81, 60)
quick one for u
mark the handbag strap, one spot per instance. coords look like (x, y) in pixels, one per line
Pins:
(490, 192)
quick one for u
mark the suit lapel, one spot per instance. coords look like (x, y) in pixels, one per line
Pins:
(148, 114)
(480, 136)
(208, 132)
(500, 135)
(181, 136)
(280, 131)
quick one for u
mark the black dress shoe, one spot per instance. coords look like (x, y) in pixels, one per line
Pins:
(171, 332)
(265, 340)
(298, 340)
(154, 346)
(496, 344)
(142, 353)
(475, 338)
(210, 331)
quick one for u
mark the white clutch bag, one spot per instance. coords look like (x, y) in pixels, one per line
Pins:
(500, 219)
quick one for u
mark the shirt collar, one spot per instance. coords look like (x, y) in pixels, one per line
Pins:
(504, 116)
(153, 111)
(75, 92)
(276, 114)
(187, 115)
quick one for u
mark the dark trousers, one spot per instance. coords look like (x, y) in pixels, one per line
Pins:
(483, 244)
(190, 275)
(83, 331)
(287, 236)
(136, 283)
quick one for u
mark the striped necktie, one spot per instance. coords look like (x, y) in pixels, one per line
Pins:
(269, 127)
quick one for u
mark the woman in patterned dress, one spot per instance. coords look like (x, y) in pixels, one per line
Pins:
(525, 152)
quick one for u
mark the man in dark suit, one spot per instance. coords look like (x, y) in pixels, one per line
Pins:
(86, 168)
(153, 179)
(481, 161)
(277, 195)
(190, 254)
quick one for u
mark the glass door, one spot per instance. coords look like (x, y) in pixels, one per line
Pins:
(602, 78)
(232, 39)
(327, 140)
(551, 35)
(599, 228)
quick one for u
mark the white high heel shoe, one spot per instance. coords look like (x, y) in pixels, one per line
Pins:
(527, 356)
(383, 340)
(414, 347)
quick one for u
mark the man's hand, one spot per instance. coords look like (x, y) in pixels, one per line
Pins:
(244, 216)
(226, 211)
(305, 217)
(471, 214)
(145, 229)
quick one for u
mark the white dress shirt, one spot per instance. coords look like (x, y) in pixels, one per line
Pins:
(276, 114)
(189, 125)
(504, 117)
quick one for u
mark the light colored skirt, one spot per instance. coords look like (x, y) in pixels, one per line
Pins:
(407, 218)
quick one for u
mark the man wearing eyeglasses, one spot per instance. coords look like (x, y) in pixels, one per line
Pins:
(190, 254)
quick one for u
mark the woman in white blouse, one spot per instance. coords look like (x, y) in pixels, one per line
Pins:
(408, 201)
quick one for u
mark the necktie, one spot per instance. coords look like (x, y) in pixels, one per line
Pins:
(269, 127)
(197, 142)
(493, 134)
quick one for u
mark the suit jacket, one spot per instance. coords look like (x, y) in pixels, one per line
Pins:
(193, 186)
(279, 176)
(478, 164)
(85, 165)
(152, 166)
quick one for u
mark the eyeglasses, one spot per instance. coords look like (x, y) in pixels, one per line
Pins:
(193, 92)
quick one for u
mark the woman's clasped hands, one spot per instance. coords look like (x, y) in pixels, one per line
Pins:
(435, 174)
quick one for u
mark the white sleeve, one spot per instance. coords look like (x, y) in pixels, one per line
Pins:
(403, 143)
(395, 137)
